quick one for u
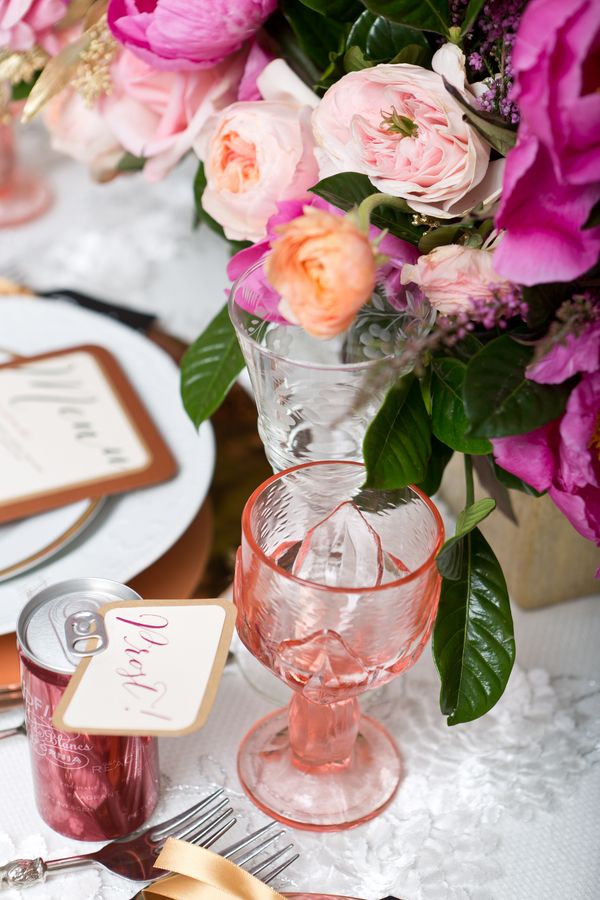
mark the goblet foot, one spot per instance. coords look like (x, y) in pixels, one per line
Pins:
(330, 797)
(23, 198)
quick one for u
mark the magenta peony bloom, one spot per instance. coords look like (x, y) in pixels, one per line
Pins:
(25, 23)
(186, 34)
(563, 457)
(262, 300)
(552, 177)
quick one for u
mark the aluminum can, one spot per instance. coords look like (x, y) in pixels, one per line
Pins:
(88, 787)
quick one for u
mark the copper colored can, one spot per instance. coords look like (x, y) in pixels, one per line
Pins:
(88, 787)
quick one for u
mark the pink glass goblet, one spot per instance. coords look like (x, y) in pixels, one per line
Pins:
(337, 590)
(23, 195)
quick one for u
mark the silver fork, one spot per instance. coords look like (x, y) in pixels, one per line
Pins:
(134, 857)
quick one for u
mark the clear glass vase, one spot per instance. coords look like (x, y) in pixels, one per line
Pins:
(315, 398)
(23, 195)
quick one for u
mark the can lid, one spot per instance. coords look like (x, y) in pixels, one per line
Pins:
(41, 629)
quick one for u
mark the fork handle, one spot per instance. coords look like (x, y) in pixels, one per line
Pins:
(22, 873)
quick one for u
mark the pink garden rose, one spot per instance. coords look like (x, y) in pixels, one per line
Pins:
(159, 115)
(563, 457)
(82, 133)
(256, 154)
(25, 23)
(263, 300)
(186, 34)
(552, 176)
(398, 125)
(453, 276)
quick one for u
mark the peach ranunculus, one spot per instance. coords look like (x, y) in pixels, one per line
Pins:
(397, 124)
(82, 133)
(158, 115)
(258, 153)
(324, 268)
(453, 276)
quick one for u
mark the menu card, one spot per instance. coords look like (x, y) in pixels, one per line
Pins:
(72, 427)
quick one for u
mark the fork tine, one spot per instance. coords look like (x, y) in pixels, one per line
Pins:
(198, 820)
(243, 843)
(203, 826)
(183, 817)
(212, 839)
(281, 868)
(254, 851)
(256, 870)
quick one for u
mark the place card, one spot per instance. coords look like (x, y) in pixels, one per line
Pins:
(72, 428)
(155, 668)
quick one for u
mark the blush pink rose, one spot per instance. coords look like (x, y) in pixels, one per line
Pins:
(451, 277)
(82, 133)
(398, 125)
(181, 35)
(159, 115)
(256, 154)
(25, 23)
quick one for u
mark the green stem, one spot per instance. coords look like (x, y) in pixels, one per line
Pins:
(469, 480)
(372, 202)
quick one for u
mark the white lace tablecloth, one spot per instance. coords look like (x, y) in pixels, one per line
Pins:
(505, 808)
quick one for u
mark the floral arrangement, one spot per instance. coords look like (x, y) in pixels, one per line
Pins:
(442, 155)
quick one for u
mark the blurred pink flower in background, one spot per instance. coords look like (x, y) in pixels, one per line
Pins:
(453, 276)
(186, 34)
(158, 115)
(552, 178)
(25, 23)
(82, 133)
(563, 457)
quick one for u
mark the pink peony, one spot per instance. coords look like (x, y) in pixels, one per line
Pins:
(82, 133)
(261, 299)
(398, 125)
(25, 23)
(453, 276)
(186, 34)
(552, 178)
(563, 457)
(256, 154)
(159, 115)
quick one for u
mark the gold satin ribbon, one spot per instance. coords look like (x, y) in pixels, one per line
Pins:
(202, 875)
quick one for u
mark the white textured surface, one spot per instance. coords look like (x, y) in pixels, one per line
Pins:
(506, 808)
(130, 531)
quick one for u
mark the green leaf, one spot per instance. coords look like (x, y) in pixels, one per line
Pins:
(473, 640)
(354, 60)
(22, 89)
(341, 10)
(413, 55)
(209, 368)
(439, 459)
(473, 9)
(359, 33)
(470, 517)
(594, 217)
(449, 422)
(492, 129)
(397, 444)
(317, 35)
(386, 39)
(349, 188)
(499, 400)
(450, 558)
(201, 216)
(131, 163)
(542, 302)
(439, 237)
(426, 15)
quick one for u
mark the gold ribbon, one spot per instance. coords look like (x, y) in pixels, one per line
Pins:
(202, 875)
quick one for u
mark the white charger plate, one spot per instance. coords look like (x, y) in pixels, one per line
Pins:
(132, 530)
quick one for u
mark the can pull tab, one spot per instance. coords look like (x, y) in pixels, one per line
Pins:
(85, 633)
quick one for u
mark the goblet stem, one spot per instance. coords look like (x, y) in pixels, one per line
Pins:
(322, 734)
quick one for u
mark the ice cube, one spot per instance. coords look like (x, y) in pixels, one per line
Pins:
(342, 550)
